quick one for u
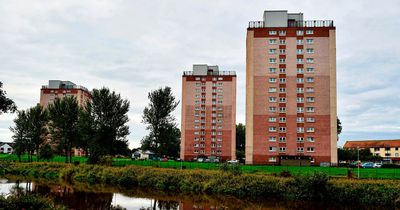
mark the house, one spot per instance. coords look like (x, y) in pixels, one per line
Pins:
(143, 155)
(6, 147)
(388, 149)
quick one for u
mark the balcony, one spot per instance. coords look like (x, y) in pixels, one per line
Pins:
(305, 23)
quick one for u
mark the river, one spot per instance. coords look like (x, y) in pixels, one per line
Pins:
(97, 197)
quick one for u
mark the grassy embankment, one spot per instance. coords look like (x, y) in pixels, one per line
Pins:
(315, 186)
(365, 173)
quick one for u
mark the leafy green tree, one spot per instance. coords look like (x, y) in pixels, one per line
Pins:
(37, 119)
(339, 128)
(63, 124)
(20, 136)
(163, 136)
(107, 130)
(46, 152)
(6, 104)
(240, 141)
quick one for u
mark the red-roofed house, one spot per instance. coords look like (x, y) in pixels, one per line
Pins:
(388, 149)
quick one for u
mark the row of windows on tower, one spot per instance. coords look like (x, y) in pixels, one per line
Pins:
(283, 90)
(283, 139)
(299, 70)
(298, 130)
(283, 149)
(298, 32)
(283, 41)
(214, 84)
(298, 119)
(273, 109)
(283, 51)
(212, 152)
(298, 100)
(283, 80)
(283, 60)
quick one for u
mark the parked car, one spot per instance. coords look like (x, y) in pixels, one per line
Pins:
(200, 160)
(233, 161)
(368, 165)
(377, 165)
(215, 160)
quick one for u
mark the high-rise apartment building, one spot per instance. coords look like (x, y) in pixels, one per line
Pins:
(208, 113)
(59, 89)
(290, 89)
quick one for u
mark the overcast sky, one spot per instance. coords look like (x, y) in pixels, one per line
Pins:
(136, 46)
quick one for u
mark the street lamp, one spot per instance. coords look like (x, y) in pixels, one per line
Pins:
(358, 161)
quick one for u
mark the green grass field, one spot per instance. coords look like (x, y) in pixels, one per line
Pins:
(369, 173)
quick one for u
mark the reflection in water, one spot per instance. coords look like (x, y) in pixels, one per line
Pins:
(84, 196)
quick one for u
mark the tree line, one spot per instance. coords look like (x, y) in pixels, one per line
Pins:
(99, 127)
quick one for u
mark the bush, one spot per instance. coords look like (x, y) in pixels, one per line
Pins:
(285, 173)
(311, 186)
(231, 168)
(46, 152)
(105, 160)
(29, 201)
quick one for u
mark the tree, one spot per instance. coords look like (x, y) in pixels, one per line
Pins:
(339, 128)
(163, 136)
(240, 141)
(46, 152)
(6, 104)
(20, 131)
(107, 129)
(37, 131)
(63, 124)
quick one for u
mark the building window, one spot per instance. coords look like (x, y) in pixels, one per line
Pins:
(272, 60)
(282, 51)
(300, 130)
(310, 99)
(310, 50)
(282, 139)
(299, 41)
(310, 109)
(300, 119)
(282, 42)
(272, 159)
(310, 41)
(299, 32)
(282, 33)
(299, 51)
(310, 90)
(300, 100)
(300, 149)
(272, 51)
(272, 119)
(282, 70)
(282, 129)
(272, 149)
(300, 90)
(310, 70)
(309, 31)
(300, 110)
(310, 119)
(272, 129)
(282, 119)
(272, 90)
(376, 149)
(310, 149)
(272, 109)
(310, 79)
(282, 90)
(300, 61)
(272, 70)
(300, 80)
(272, 138)
(272, 99)
(310, 60)
(310, 129)
(272, 32)
(282, 100)
(300, 71)
(282, 60)
(272, 80)
(300, 139)
(272, 41)
(282, 109)
(282, 149)
(310, 139)
(282, 80)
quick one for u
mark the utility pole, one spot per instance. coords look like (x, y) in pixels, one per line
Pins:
(358, 161)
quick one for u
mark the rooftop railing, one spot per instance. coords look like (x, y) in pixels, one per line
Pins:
(305, 23)
(67, 87)
(213, 73)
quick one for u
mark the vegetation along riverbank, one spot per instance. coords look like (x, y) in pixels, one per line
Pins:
(314, 186)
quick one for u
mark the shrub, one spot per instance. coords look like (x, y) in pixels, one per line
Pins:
(311, 186)
(230, 168)
(46, 152)
(285, 173)
(28, 201)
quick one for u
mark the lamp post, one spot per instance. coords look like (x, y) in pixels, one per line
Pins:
(358, 161)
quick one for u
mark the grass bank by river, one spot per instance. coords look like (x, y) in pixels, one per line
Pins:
(310, 187)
